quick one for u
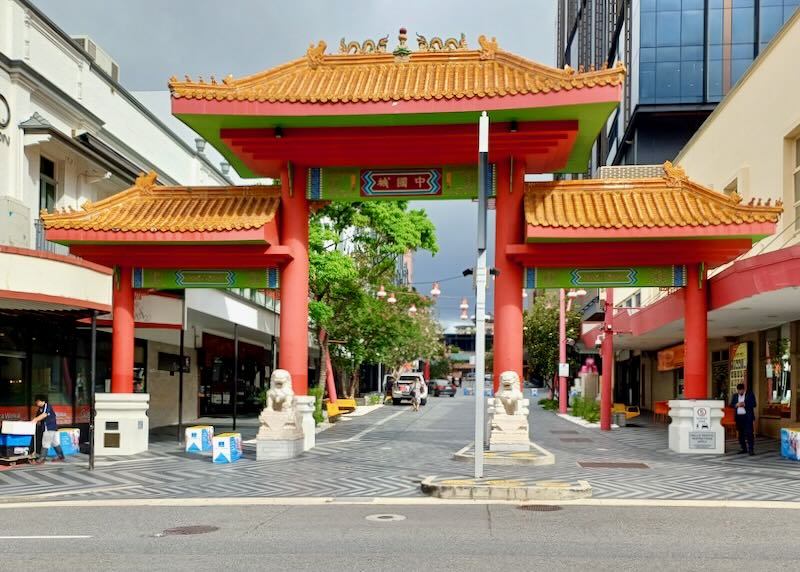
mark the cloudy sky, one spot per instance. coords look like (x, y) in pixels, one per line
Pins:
(152, 40)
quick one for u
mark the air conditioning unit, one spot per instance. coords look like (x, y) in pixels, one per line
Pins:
(99, 56)
(15, 223)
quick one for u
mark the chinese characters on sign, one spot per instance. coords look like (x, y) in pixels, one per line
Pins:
(400, 183)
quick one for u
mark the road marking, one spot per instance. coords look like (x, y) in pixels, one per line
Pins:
(46, 537)
(393, 501)
(358, 436)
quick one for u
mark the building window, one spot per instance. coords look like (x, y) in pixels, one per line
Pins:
(671, 68)
(796, 178)
(47, 184)
(777, 372)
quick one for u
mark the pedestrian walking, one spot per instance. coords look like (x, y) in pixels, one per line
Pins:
(416, 394)
(46, 418)
(745, 404)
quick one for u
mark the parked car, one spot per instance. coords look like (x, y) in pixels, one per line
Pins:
(401, 388)
(442, 387)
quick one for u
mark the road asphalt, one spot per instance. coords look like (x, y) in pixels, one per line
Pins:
(391, 537)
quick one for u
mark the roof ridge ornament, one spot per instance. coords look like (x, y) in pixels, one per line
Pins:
(488, 47)
(401, 52)
(365, 47)
(436, 44)
(145, 183)
(315, 55)
(674, 174)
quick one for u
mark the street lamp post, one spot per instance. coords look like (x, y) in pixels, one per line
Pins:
(562, 351)
(480, 287)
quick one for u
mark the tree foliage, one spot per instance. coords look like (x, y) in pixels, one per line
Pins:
(353, 248)
(541, 323)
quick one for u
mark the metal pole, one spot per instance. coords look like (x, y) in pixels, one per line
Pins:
(180, 390)
(562, 351)
(235, 370)
(608, 363)
(92, 374)
(480, 286)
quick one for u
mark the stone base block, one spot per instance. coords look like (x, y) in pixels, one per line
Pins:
(696, 426)
(278, 449)
(505, 489)
(121, 424)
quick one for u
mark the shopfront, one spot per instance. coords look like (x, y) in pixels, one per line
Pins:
(776, 392)
(50, 355)
(217, 371)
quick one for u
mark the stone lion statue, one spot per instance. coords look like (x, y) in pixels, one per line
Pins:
(280, 396)
(509, 393)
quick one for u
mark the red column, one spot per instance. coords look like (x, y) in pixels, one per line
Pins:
(122, 333)
(294, 279)
(695, 368)
(562, 350)
(509, 229)
(608, 363)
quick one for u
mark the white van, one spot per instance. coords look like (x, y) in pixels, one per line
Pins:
(401, 388)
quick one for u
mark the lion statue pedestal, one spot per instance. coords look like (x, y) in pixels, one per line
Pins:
(280, 435)
(508, 412)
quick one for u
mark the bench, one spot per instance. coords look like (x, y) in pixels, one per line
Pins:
(347, 405)
(630, 411)
(333, 411)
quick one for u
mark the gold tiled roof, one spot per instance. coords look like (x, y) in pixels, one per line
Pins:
(667, 202)
(402, 75)
(148, 208)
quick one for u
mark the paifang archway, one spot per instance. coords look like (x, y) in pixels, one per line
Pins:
(368, 124)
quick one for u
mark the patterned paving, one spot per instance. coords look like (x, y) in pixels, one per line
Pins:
(388, 452)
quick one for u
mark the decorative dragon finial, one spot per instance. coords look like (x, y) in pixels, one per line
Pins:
(436, 44)
(314, 55)
(146, 182)
(366, 47)
(674, 174)
(735, 197)
(402, 52)
(488, 47)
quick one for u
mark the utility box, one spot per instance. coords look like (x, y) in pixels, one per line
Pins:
(15, 223)
(121, 423)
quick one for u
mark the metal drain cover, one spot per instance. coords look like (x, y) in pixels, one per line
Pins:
(385, 517)
(540, 507)
(188, 530)
(575, 440)
(607, 465)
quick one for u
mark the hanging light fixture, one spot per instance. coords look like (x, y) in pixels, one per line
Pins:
(581, 292)
(391, 299)
(381, 294)
(464, 304)
(435, 292)
(572, 294)
(412, 310)
(464, 316)
(524, 293)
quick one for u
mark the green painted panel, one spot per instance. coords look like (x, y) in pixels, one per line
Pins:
(173, 278)
(635, 276)
(591, 119)
(354, 184)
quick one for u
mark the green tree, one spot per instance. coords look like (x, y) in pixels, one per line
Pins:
(540, 325)
(353, 247)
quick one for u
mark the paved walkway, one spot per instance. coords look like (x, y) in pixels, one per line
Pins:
(387, 453)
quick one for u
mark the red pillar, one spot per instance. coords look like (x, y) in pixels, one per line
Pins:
(122, 333)
(509, 229)
(695, 368)
(294, 279)
(608, 363)
(562, 350)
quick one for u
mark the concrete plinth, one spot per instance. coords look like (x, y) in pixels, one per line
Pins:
(305, 420)
(504, 489)
(696, 426)
(278, 449)
(121, 423)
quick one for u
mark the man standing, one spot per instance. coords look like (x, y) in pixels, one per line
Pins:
(47, 417)
(745, 405)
